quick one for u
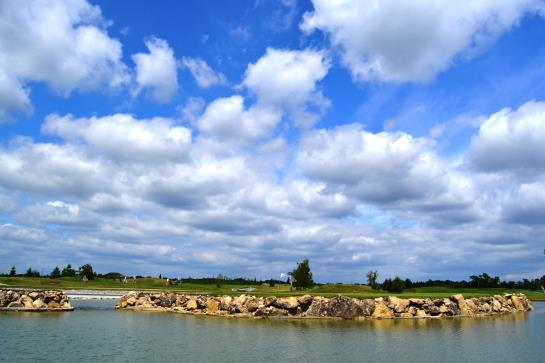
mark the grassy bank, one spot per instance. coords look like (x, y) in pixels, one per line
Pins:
(151, 284)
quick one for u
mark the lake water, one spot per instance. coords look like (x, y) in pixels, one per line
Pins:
(94, 332)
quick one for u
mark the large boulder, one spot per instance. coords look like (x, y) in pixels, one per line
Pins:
(53, 305)
(287, 303)
(518, 303)
(191, 304)
(382, 311)
(461, 303)
(253, 303)
(239, 304)
(39, 304)
(26, 301)
(398, 305)
(318, 307)
(202, 302)
(226, 302)
(15, 304)
(345, 307)
(212, 305)
(305, 301)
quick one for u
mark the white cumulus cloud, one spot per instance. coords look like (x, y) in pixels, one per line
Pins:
(157, 70)
(62, 43)
(511, 140)
(287, 80)
(411, 40)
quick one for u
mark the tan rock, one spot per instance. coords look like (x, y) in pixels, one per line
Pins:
(517, 303)
(191, 304)
(33, 295)
(26, 301)
(318, 308)
(421, 313)
(39, 304)
(496, 306)
(461, 302)
(131, 301)
(405, 315)
(225, 302)
(471, 307)
(397, 304)
(212, 306)
(287, 303)
(53, 305)
(382, 311)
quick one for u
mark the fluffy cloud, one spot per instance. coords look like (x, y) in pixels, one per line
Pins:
(411, 40)
(204, 75)
(383, 167)
(526, 205)
(511, 140)
(62, 43)
(50, 169)
(205, 207)
(122, 137)
(287, 80)
(157, 70)
(13, 97)
(227, 120)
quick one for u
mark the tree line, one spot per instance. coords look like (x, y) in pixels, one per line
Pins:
(301, 277)
(85, 270)
(481, 281)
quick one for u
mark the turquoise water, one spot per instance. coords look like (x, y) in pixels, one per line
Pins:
(97, 333)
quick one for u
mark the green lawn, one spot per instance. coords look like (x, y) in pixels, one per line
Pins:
(360, 291)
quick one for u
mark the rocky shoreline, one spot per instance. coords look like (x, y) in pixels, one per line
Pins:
(34, 300)
(340, 307)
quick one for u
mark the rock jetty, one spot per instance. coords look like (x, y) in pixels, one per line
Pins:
(34, 300)
(308, 306)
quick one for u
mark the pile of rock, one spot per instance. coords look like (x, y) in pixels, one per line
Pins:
(40, 300)
(308, 306)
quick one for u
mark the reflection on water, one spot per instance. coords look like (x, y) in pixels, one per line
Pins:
(96, 332)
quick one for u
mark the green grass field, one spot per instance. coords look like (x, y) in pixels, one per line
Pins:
(151, 284)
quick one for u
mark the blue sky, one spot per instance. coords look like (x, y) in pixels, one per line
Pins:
(198, 138)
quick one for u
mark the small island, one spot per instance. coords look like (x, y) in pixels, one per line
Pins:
(34, 300)
(340, 307)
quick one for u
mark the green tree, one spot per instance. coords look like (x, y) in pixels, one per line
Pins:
(302, 276)
(56, 273)
(372, 279)
(395, 285)
(32, 273)
(87, 271)
(13, 271)
(68, 271)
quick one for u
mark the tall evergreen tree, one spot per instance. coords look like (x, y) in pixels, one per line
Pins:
(68, 271)
(13, 271)
(56, 273)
